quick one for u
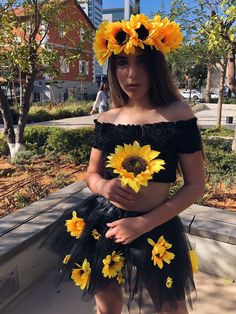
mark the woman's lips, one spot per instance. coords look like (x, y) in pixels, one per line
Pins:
(133, 85)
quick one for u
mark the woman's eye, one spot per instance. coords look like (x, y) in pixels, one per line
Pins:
(141, 61)
(121, 62)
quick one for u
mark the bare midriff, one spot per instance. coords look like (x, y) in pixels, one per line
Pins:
(149, 197)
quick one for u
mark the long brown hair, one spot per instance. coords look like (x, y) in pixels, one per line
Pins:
(163, 90)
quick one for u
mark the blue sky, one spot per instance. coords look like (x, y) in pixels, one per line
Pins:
(147, 6)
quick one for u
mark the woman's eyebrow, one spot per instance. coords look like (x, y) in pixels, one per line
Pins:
(121, 57)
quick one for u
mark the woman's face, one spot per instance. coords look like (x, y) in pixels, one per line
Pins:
(132, 74)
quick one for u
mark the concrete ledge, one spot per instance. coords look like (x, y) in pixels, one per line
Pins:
(19, 229)
(211, 231)
(21, 262)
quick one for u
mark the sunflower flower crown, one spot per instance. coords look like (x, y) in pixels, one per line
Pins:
(116, 37)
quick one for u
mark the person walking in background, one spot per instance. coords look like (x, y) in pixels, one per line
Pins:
(101, 100)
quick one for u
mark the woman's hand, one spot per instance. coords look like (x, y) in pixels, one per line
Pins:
(125, 230)
(113, 191)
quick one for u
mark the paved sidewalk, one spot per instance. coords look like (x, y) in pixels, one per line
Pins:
(214, 297)
(206, 118)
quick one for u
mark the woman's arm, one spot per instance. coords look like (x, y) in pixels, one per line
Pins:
(110, 189)
(128, 229)
(193, 188)
(97, 101)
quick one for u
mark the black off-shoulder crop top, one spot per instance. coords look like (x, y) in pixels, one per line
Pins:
(169, 138)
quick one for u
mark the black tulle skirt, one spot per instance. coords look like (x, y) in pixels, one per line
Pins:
(132, 265)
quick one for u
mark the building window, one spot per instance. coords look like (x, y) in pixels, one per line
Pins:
(83, 67)
(64, 65)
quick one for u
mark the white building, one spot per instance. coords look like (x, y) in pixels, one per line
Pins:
(94, 10)
(117, 14)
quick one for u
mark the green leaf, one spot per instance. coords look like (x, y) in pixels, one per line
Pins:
(231, 37)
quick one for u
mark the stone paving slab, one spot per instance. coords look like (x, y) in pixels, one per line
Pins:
(214, 297)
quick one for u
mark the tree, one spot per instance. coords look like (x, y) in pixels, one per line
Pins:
(24, 27)
(212, 24)
(221, 38)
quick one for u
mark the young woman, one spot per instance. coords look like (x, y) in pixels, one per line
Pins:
(101, 99)
(129, 233)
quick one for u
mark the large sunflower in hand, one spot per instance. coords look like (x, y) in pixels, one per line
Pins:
(135, 164)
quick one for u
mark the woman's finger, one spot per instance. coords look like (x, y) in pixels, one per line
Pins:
(111, 233)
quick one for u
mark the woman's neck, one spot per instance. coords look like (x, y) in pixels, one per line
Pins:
(140, 104)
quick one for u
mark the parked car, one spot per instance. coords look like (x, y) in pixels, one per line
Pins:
(214, 95)
(195, 95)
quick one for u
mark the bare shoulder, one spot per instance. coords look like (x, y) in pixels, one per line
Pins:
(108, 116)
(179, 110)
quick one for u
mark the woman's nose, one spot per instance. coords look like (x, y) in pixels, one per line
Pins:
(132, 71)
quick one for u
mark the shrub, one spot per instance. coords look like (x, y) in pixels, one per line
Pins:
(50, 111)
(222, 131)
(25, 157)
(4, 149)
(221, 162)
(215, 144)
(36, 137)
(75, 143)
(39, 116)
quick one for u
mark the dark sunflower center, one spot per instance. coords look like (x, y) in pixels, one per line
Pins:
(163, 40)
(121, 37)
(112, 263)
(106, 43)
(142, 32)
(134, 164)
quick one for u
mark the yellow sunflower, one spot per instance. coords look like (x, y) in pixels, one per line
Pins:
(160, 253)
(141, 29)
(169, 282)
(194, 260)
(96, 234)
(81, 275)
(66, 259)
(120, 38)
(135, 164)
(75, 225)
(169, 34)
(112, 265)
(100, 45)
(120, 278)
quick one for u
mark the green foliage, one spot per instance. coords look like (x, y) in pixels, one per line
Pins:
(217, 144)
(45, 112)
(220, 167)
(53, 142)
(220, 162)
(24, 157)
(222, 131)
(60, 181)
(36, 137)
(4, 150)
(75, 143)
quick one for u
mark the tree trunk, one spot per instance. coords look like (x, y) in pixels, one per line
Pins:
(221, 87)
(231, 80)
(8, 131)
(234, 142)
(208, 84)
(23, 114)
